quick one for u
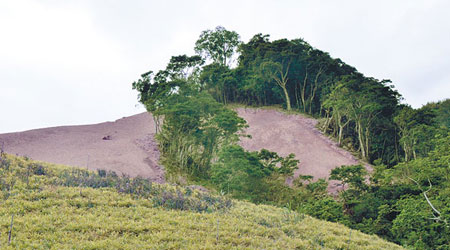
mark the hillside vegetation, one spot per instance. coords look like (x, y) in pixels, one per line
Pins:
(406, 200)
(59, 207)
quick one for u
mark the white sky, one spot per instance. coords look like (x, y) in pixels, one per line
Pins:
(73, 62)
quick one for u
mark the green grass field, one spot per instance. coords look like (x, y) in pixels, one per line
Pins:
(55, 207)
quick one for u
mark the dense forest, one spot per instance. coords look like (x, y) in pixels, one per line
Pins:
(405, 199)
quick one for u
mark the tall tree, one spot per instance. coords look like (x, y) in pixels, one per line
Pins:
(339, 102)
(442, 111)
(154, 89)
(219, 81)
(218, 45)
(416, 128)
(369, 103)
(278, 72)
(195, 128)
(184, 66)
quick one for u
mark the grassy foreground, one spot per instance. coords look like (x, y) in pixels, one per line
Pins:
(58, 207)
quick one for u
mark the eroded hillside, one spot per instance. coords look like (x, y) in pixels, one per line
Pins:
(128, 146)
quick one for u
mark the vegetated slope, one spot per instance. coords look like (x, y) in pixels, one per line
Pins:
(124, 146)
(289, 133)
(58, 207)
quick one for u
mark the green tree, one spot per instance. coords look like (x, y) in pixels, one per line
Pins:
(442, 112)
(416, 128)
(251, 175)
(184, 67)
(218, 45)
(195, 128)
(413, 226)
(284, 166)
(240, 173)
(220, 81)
(353, 175)
(339, 102)
(278, 72)
(370, 104)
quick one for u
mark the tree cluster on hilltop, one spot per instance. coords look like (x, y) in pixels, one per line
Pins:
(406, 199)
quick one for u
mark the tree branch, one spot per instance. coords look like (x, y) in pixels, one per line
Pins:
(436, 218)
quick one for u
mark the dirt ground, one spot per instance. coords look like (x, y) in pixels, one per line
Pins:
(128, 146)
(124, 146)
(285, 134)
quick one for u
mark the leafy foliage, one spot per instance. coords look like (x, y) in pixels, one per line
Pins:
(442, 112)
(195, 127)
(352, 175)
(218, 45)
(245, 174)
(407, 203)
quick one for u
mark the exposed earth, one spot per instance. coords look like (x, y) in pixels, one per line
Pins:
(128, 146)
(124, 146)
(285, 134)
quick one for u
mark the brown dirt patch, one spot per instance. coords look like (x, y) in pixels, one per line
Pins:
(125, 146)
(285, 134)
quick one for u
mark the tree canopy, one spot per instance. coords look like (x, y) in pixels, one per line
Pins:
(218, 45)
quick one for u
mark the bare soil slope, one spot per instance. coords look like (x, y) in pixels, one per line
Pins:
(128, 146)
(124, 146)
(285, 134)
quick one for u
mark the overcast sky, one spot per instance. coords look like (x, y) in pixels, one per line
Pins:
(73, 62)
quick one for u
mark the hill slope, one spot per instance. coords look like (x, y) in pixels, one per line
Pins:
(128, 146)
(131, 148)
(51, 211)
(294, 133)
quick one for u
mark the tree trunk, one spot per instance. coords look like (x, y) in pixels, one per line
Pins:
(341, 128)
(296, 96)
(305, 81)
(327, 121)
(288, 102)
(406, 151)
(313, 90)
(367, 143)
(282, 81)
(157, 125)
(361, 141)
